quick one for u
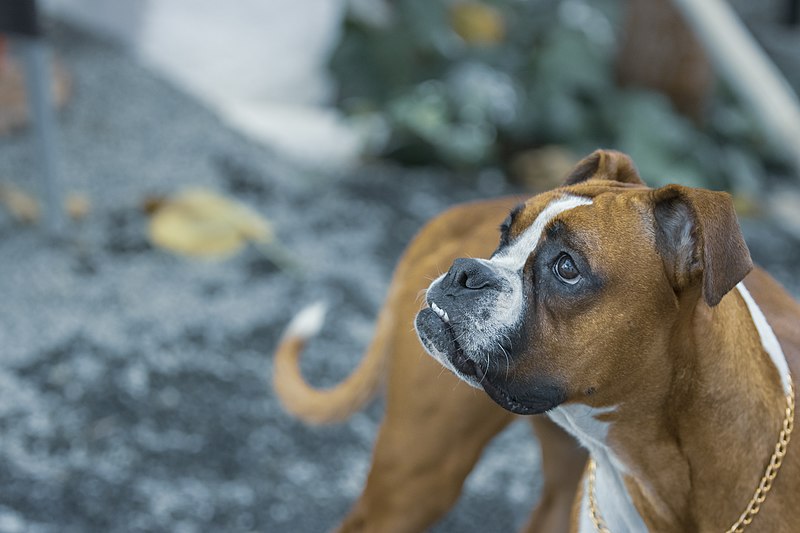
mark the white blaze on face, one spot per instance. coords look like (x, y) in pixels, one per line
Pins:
(513, 257)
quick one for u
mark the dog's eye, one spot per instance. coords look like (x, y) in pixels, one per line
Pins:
(565, 269)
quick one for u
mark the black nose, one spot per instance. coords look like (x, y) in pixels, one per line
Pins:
(472, 275)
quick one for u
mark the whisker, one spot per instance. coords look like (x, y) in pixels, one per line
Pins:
(421, 293)
(508, 339)
(508, 363)
(459, 336)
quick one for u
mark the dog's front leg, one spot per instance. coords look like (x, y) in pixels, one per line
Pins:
(433, 434)
(563, 462)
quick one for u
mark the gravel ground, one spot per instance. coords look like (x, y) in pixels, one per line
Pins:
(133, 383)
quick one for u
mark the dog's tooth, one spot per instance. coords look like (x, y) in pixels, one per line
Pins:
(440, 312)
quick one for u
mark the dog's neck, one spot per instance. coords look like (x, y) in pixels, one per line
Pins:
(686, 452)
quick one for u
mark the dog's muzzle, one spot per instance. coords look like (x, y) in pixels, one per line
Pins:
(459, 329)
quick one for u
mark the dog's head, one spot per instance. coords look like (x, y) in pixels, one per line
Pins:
(589, 281)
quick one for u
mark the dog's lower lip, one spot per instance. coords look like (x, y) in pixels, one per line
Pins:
(503, 399)
(460, 361)
(468, 368)
(463, 364)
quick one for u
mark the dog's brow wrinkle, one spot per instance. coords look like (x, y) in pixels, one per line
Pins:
(515, 254)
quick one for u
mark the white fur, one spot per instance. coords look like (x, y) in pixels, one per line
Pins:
(768, 339)
(308, 322)
(613, 500)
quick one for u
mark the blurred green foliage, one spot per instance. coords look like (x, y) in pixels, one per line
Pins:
(468, 85)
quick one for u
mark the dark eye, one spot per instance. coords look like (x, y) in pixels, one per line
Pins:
(565, 269)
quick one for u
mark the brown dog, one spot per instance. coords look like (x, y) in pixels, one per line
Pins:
(618, 310)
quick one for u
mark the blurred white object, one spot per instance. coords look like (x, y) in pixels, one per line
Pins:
(260, 64)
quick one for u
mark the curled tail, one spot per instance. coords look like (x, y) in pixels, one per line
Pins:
(324, 406)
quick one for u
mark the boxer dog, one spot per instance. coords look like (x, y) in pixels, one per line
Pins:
(626, 318)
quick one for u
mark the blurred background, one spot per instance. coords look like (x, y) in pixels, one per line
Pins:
(179, 177)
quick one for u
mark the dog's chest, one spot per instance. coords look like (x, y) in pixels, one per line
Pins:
(613, 502)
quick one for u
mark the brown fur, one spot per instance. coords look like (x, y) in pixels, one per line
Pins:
(435, 426)
(698, 403)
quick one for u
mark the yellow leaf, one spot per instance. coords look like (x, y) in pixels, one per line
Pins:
(77, 206)
(22, 206)
(201, 223)
(477, 23)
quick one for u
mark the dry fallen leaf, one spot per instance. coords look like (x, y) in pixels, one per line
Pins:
(21, 205)
(77, 206)
(152, 203)
(201, 223)
(477, 23)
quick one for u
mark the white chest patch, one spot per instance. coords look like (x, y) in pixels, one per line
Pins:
(768, 339)
(611, 495)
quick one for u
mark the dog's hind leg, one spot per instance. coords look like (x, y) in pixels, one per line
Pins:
(434, 431)
(563, 463)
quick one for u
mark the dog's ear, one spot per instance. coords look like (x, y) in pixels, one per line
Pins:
(699, 239)
(605, 165)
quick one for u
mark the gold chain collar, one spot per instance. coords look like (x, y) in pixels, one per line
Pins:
(758, 498)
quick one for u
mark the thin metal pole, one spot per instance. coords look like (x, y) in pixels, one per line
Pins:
(37, 80)
(793, 12)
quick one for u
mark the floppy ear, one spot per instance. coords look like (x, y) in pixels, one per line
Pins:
(605, 165)
(699, 239)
